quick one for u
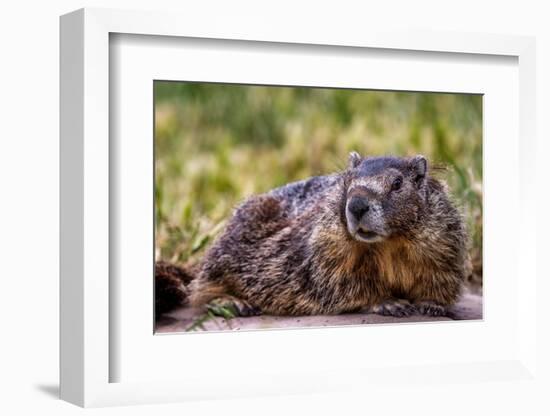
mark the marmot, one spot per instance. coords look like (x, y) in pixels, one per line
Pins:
(382, 235)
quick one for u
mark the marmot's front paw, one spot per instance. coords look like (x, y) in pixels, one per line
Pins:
(431, 308)
(230, 307)
(394, 307)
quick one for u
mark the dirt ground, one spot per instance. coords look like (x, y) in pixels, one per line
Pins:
(469, 307)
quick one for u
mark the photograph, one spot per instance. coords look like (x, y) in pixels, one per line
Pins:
(284, 207)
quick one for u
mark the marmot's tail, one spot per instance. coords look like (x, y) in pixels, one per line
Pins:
(170, 287)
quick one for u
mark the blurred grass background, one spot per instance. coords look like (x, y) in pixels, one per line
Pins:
(216, 144)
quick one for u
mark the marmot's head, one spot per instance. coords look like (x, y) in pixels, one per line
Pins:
(384, 196)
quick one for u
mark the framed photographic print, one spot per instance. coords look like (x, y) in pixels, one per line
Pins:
(317, 216)
(275, 205)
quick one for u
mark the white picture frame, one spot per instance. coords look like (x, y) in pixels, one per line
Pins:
(87, 302)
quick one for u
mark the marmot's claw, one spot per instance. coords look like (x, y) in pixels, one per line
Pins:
(248, 310)
(227, 306)
(394, 307)
(431, 308)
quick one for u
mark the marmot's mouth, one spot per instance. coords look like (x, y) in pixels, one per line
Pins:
(367, 235)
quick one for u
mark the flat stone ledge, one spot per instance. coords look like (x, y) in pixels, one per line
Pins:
(469, 307)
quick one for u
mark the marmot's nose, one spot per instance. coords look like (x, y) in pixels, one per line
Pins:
(358, 206)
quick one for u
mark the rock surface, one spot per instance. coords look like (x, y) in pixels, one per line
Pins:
(469, 307)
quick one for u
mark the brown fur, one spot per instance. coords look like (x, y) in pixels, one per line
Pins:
(170, 286)
(290, 251)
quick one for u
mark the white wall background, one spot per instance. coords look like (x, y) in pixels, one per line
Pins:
(29, 116)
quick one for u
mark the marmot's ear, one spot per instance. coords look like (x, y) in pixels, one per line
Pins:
(420, 167)
(353, 160)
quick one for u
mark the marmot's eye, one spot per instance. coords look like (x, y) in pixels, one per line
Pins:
(396, 185)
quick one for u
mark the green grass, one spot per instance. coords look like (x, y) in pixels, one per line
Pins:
(216, 144)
